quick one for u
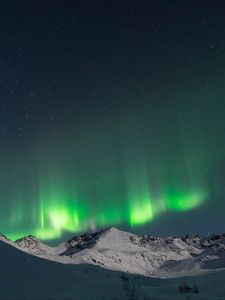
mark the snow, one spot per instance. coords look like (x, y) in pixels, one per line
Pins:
(118, 250)
(25, 276)
(113, 264)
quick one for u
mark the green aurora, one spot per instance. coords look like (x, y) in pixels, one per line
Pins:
(80, 184)
(112, 113)
(59, 213)
(73, 193)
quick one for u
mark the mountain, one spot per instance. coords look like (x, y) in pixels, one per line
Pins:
(32, 245)
(118, 250)
(3, 238)
(26, 276)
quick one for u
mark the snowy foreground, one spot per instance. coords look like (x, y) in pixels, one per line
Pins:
(113, 264)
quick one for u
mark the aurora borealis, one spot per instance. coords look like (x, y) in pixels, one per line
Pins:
(112, 114)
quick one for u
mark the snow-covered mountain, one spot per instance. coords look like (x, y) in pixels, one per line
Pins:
(118, 250)
(26, 276)
(3, 238)
(32, 245)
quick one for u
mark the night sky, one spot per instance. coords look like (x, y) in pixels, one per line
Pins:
(112, 113)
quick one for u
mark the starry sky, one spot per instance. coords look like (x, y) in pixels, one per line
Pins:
(112, 113)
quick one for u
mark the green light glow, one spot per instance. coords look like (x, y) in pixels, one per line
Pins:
(132, 189)
(183, 201)
(140, 203)
(141, 213)
(57, 217)
(60, 211)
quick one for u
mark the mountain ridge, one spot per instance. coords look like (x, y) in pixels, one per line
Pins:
(146, 255)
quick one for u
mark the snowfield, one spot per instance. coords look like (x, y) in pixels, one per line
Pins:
(113, 264)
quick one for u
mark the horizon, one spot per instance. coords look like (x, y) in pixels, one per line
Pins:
(70, 236)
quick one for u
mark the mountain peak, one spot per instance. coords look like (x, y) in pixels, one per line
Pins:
(110, 230)
(30, 243)
(27, 238)
(4, 238)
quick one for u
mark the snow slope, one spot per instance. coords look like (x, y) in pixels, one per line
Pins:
(25, 276)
